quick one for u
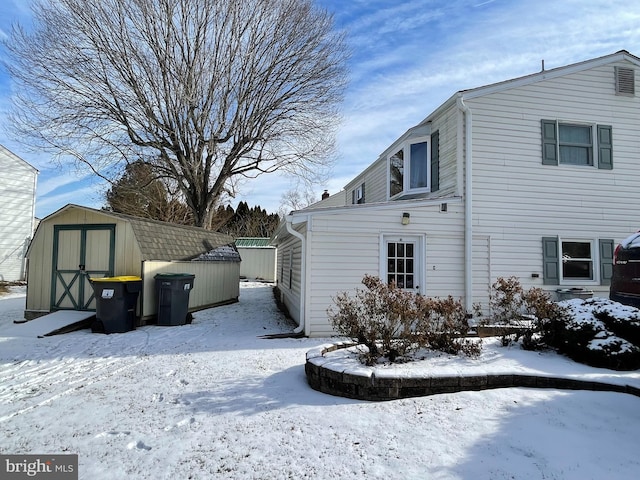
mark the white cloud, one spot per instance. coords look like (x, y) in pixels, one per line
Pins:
(411, 56)
(85, 195)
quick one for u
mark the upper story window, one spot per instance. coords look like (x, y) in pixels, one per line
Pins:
(566, 143)
(576, 144)
(357, 195)
(409, 168)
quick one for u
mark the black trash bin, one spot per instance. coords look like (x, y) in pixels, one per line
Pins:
(172, 293)
(116, 299)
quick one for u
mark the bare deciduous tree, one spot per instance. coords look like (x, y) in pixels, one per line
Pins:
(211, 90)
(296, 199)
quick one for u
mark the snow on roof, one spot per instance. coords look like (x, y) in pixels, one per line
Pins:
(225, 253)
(632, 241)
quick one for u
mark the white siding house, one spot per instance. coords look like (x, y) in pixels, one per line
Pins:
(18, 194)
(535, 177)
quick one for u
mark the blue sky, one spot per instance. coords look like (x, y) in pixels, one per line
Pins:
(409, 56)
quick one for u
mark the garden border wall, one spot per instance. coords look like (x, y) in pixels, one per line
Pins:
(363, 384)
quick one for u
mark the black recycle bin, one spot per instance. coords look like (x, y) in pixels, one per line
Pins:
(172, 293)
(116, 299)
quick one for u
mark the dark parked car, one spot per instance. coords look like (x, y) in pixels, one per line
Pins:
(625, 284)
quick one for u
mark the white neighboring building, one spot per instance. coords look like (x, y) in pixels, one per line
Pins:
(17, 214)
(536, 177)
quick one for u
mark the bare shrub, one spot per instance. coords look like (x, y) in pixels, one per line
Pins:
(391, 322)
(516, 312)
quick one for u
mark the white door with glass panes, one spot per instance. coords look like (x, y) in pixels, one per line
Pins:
(403, 262)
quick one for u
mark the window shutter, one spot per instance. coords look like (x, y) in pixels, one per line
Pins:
(606, 261)
(549, 142)
(353, 197)
(605, 147)
(362, 200)
(435, 161)
(550, 261)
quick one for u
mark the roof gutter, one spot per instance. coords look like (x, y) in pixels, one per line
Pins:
(303, 251)
(468, 210)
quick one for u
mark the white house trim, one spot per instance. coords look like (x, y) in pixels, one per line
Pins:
(303, 270)
(468, 202)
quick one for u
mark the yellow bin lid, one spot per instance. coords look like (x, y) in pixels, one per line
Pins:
(122, 278)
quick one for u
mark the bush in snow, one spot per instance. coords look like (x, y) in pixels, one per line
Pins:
(598, 332)
(391, 322)
(516, 312)
(623, 320)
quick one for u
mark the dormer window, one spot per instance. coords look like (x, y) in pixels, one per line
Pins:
(409, 168)
(357, 195)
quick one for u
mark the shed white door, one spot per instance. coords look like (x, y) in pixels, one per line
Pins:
(404, 262)
(80, 252)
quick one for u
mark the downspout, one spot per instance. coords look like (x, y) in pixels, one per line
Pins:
(468, 210)
(303, 268)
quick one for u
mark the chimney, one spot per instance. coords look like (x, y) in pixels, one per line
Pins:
(325, 194)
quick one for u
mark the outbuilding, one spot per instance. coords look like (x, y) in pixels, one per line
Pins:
(258, 258)
(77, 243)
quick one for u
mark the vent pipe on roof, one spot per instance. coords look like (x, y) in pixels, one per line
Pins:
(543, 64)
(325, 194)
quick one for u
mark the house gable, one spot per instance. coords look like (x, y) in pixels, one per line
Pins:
(18, 192)
(554, 157)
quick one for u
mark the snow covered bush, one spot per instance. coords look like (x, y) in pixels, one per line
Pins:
(391, 322)
(598, 332)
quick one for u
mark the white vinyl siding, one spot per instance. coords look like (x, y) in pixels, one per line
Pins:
(288, 268)
(517, 200)
(346, 246)
(482, 278)
(374, 178)
(18, 192)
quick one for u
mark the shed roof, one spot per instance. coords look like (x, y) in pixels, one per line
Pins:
(165, 241)
(255, 242)
(225, 253)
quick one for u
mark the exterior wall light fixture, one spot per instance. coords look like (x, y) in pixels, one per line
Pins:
(406, 218)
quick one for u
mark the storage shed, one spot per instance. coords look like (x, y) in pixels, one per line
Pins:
(77, 243)
(258, 258)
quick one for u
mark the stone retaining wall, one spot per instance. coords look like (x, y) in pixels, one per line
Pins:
(363, 384)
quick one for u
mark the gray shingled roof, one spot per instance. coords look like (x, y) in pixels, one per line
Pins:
(168, 241)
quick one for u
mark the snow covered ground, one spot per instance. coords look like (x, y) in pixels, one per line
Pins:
(212, 400)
